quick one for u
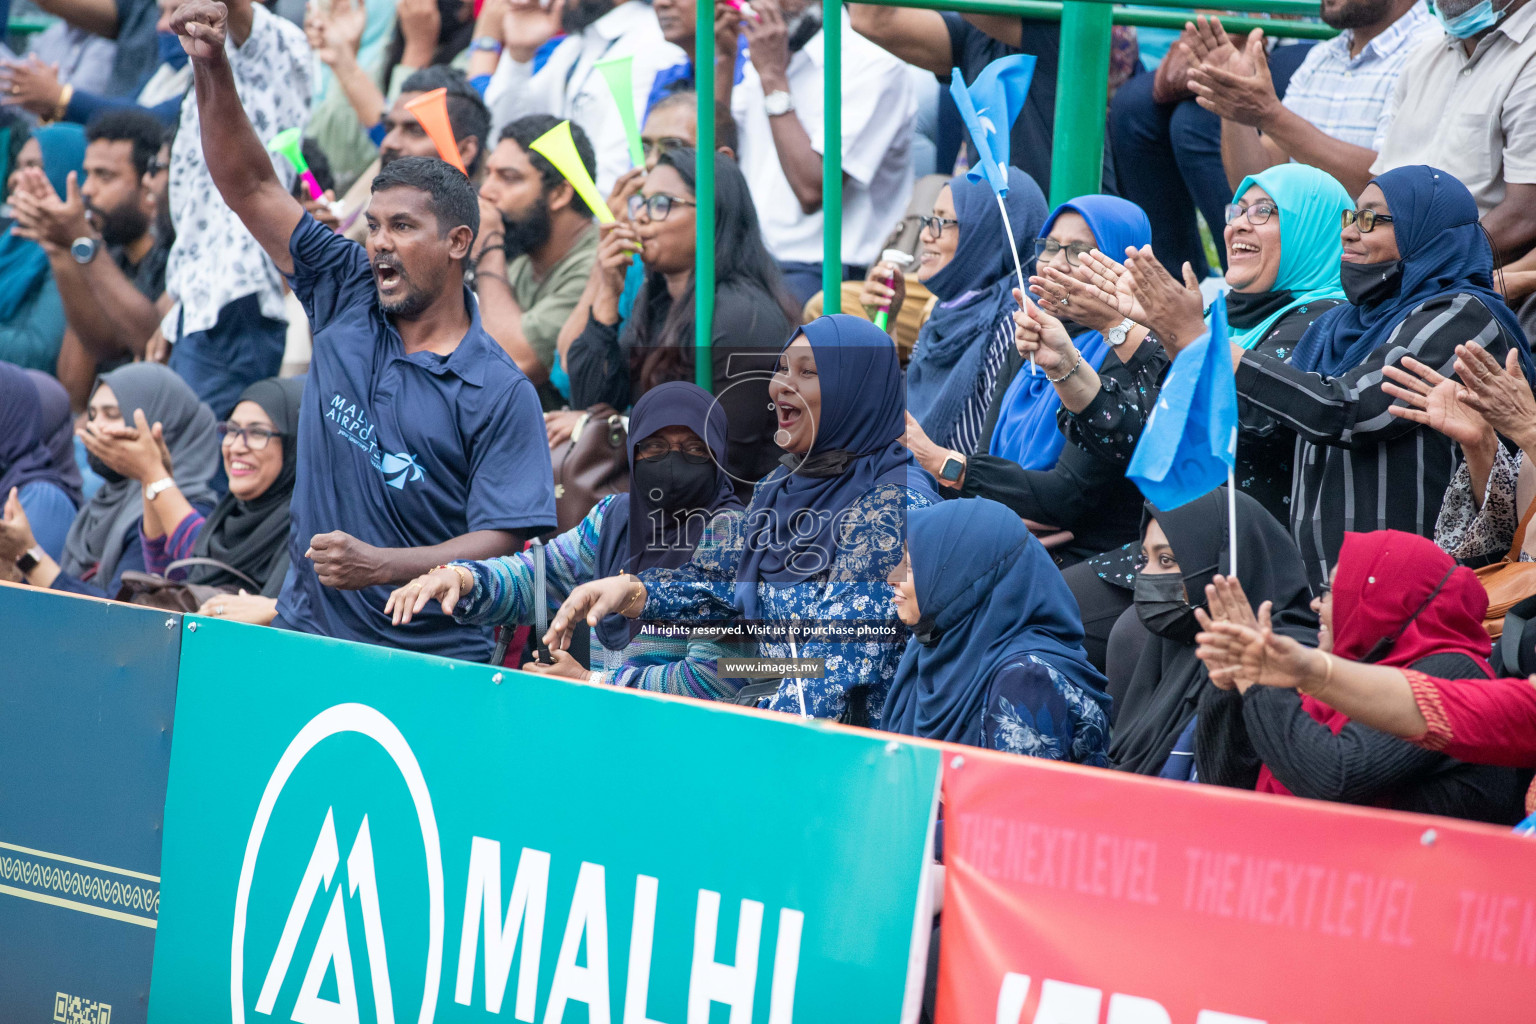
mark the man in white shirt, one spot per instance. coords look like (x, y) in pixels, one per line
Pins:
(227, 328)
(567, 84)
(1333, 102)
(1466, 103)
(777, 107)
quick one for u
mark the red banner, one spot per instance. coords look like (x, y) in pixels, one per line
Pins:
(1075, 896)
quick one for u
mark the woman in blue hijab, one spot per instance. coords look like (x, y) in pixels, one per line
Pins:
(961, 357)
(1026, 430)
(996, 659)
(808, 566)
(678, 489)
(48, 492)
(1418, 272)
(31, 312)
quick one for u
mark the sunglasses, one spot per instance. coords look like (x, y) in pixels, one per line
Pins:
(1366, 220)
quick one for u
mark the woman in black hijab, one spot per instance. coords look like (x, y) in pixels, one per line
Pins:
(1182, 549)
(678, 489)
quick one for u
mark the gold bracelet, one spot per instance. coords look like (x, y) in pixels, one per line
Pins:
(640, 592)
(66, 93)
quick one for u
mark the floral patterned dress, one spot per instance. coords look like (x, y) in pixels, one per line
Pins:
(854, 590)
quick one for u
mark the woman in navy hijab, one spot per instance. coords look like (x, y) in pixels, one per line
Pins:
(807, 569)
(1418, 273)
(961, 358)
(996, 659)
(677, 490)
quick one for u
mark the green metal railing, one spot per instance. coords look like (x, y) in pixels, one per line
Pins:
(1078, 147)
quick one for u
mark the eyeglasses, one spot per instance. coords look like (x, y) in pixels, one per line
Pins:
(695, 452)
(1258, 213)
(656, 207)
(1366, 219)
(1047, 248)
(665, 144)
(255, 438)
(935, 225)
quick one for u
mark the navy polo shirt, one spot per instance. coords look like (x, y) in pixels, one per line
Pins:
(401, 450)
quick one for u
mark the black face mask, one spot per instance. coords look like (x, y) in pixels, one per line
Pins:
(103, 470)
(676, 483)
(1163, 609)
(1370, 284)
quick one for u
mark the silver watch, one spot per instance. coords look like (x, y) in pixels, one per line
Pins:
(778, 102)
(1117, 334)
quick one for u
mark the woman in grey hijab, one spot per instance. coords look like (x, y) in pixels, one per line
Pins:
(104, 540)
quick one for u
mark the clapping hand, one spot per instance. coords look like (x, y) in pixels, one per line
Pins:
(592, 602)
(1174, 312)
(31, 85)
(43, 217)
(1500, 395)
(1435, 401)
(1109, 285)
(528, 25)
(1230, 91)
(1226, 602)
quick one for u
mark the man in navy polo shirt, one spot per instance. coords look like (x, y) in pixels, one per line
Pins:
(420, 441)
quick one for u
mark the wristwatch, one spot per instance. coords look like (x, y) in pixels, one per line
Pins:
(154, 490)
(84, 249)
(778, 102)
(953, 466)
(1117, 334)
(30, 559)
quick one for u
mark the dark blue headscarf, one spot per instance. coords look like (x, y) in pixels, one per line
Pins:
(1444, 253)
(23, 264)
(993, 596)
(26, 436)
(975, 291)
(1026, 430)
(856, 449)
(623, 548)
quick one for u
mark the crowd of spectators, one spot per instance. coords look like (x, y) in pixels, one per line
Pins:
(345, 396)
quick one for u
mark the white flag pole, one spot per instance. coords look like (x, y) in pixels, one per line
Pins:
(1231, 523)
(1017, 266)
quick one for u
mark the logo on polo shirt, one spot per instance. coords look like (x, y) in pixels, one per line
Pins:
(351, 419)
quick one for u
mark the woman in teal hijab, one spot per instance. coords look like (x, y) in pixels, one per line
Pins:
(1283, 253)
(31, 313)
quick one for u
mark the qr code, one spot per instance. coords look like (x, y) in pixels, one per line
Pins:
(69, 1009)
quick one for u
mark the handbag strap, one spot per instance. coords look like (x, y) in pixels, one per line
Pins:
(540, 591)
(182, 563)
(1519, 541)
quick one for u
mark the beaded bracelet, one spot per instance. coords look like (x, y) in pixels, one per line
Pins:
(1058, 380)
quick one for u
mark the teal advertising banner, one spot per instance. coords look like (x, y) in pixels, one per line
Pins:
(87, 693)
(362, 835)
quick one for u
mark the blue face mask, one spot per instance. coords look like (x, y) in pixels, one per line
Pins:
(1469, 22)
(170, 50)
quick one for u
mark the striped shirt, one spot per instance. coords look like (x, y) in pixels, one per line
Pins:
(1358, 467)
(1344, 96)
(966, 436)
(503, 596)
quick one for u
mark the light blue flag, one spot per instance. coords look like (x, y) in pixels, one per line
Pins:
(989, 107)
(1190, 441)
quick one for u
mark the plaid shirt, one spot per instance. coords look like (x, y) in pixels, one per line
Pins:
(1344, 96)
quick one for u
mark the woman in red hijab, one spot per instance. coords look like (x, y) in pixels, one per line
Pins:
(1395, 600)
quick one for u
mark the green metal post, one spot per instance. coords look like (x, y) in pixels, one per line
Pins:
(1082, 97)
(704, 195)
(832, 159)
